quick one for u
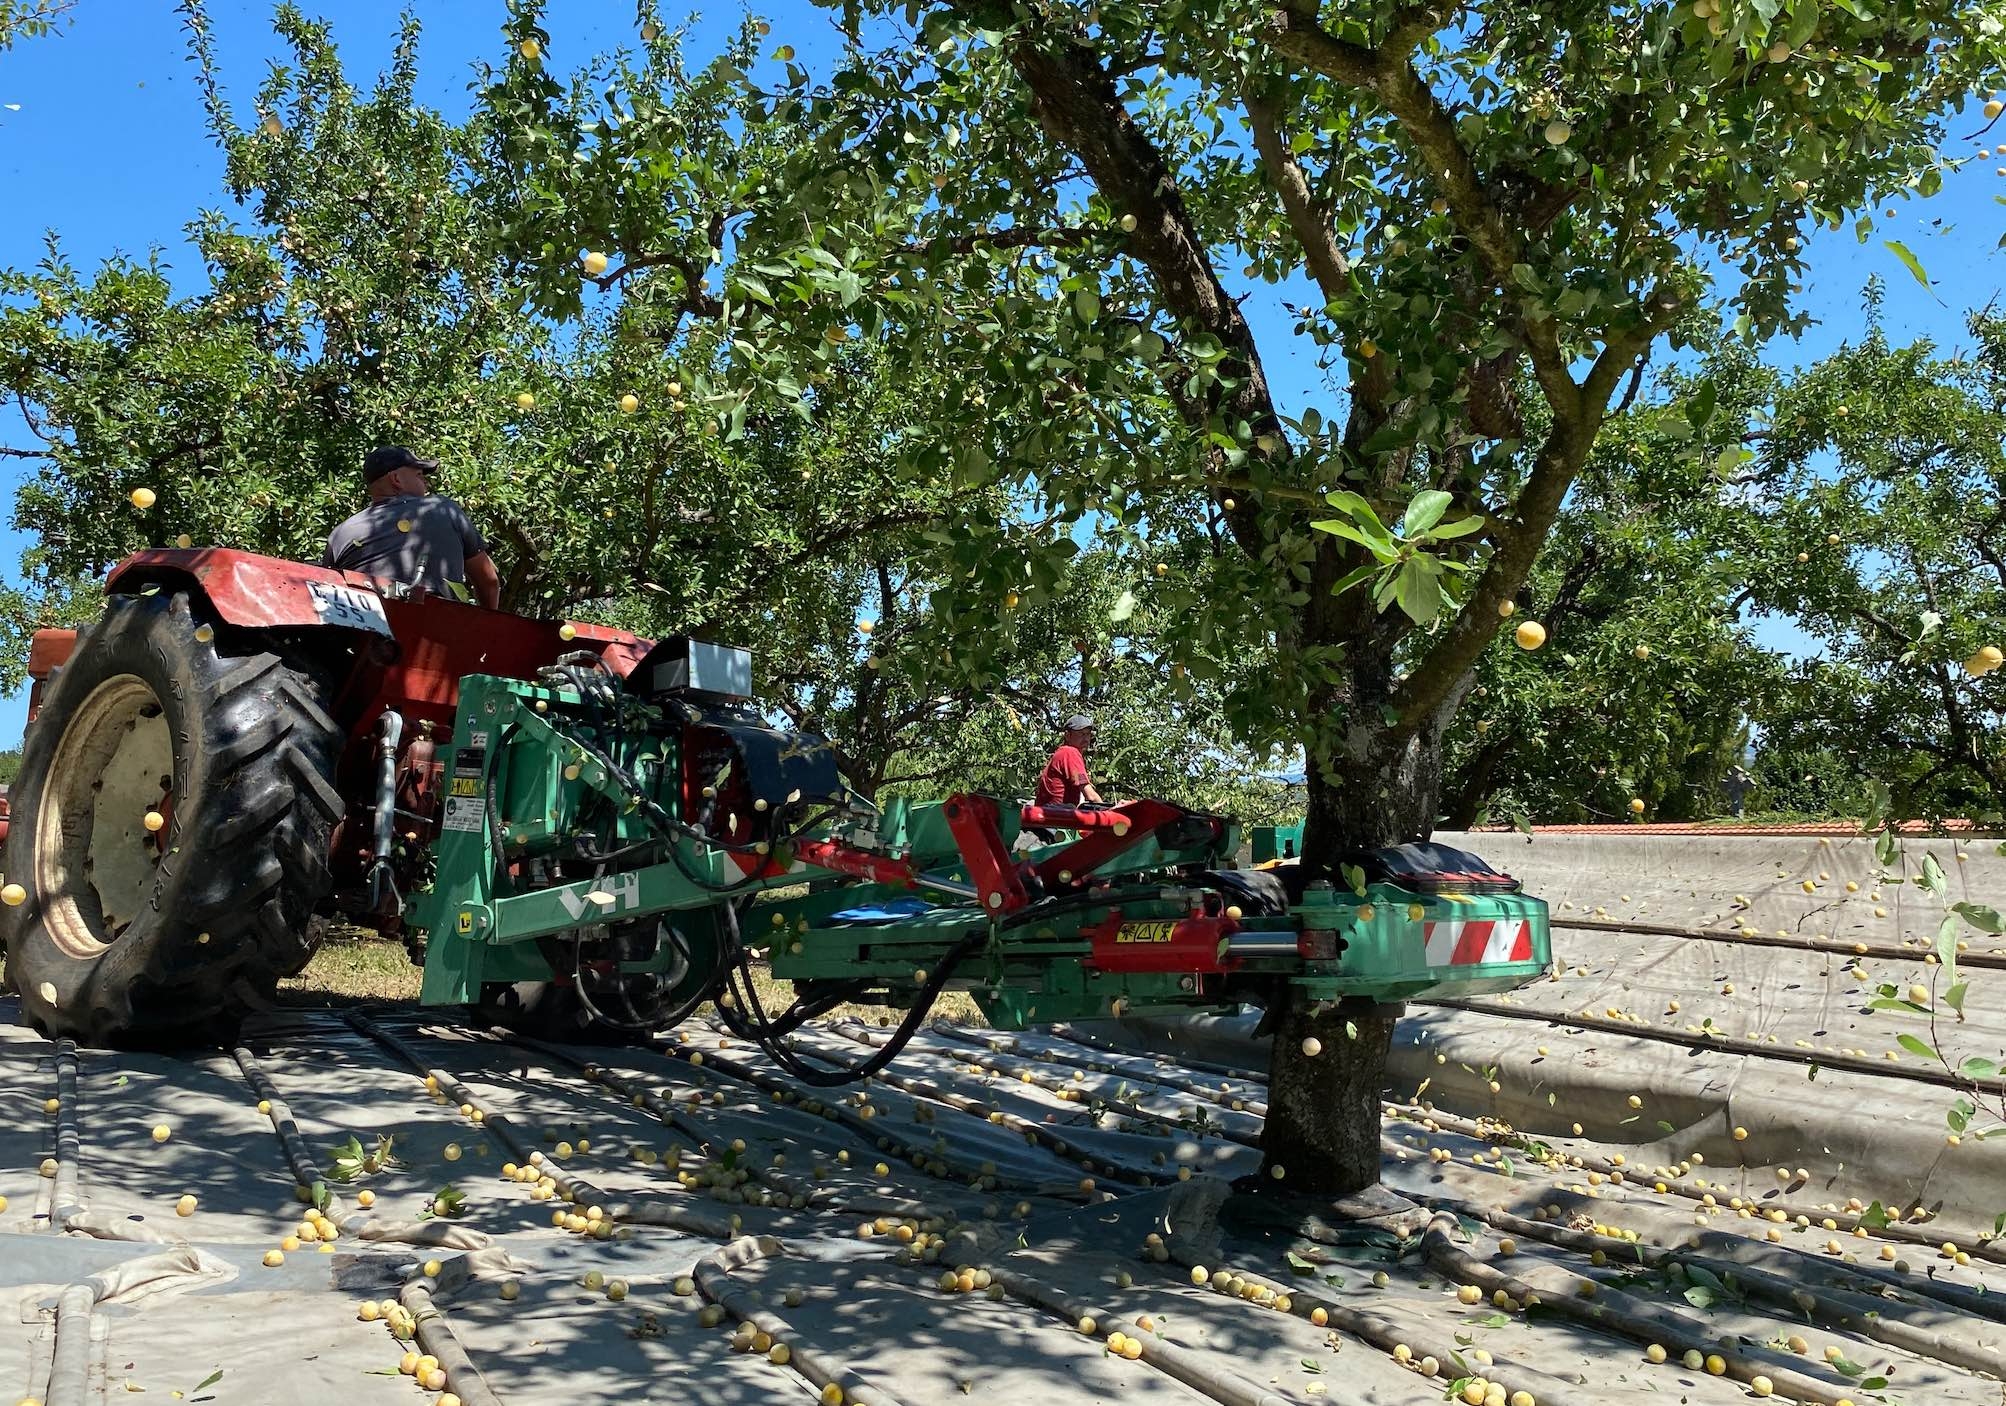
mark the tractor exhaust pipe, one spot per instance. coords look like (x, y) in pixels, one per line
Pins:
(390, 737)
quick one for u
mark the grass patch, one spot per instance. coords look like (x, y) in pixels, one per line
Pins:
(353, 966)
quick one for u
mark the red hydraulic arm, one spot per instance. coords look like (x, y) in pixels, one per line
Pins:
(1108, 833)
(1003, 884)
(973, 822)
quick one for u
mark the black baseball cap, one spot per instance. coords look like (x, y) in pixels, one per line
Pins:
(388, 458)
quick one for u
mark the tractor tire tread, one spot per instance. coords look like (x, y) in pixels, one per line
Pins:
(231, 905)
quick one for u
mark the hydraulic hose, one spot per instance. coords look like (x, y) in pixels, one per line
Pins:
(390, 736)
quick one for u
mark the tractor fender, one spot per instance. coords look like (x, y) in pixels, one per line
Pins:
(253, 591)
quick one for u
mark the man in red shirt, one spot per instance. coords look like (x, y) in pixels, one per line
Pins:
(1064, 781)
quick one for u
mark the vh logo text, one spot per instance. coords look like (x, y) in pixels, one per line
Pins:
(615, 893)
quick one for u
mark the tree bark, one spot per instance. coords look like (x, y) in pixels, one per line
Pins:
(1322, 1129)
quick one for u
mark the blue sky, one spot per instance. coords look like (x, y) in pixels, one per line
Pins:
(102, 141)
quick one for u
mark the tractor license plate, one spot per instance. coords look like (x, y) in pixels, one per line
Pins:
(346, 606)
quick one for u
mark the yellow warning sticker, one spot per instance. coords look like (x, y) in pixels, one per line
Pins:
(466, 922)
(1156, 930)
(466, 786)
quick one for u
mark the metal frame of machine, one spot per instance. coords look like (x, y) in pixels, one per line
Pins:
(1129, 917)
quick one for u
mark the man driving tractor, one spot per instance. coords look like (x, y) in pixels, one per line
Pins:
(410, 534)
(1065, 780)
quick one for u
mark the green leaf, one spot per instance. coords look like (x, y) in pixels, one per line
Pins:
(1887, 848)
(1356, 576)
(1946, 945)
(1461, 527)
(1299, 1264)
(1978, 1067)
(1980, 916)
(1359, 511)
(1424, 511)
(1932, 875)
(207, 1382)
(1419, 592)
(1380, 547)
(1910, 261)
(1700, 1296)
(1954, 996)
(1700, 404)
(1875, 1217)
(1915, 1046)
(1311, 1365)
(1354, 878)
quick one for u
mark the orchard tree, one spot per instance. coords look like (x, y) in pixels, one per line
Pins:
(1082, 649)
(1882, 502)
(1655, 682)
(1058, 206)
(1861, 500)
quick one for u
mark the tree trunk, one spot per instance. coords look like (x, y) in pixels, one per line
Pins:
(1381, 788)
(1322, 1128)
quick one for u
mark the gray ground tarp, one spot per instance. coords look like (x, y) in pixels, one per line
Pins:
(130, 1298)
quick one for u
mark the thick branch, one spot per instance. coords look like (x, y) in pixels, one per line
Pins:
(1293, 29)
(1389, 75)
(1326, 261)
(1078, 105)
(1523, 533)
(1575, 424)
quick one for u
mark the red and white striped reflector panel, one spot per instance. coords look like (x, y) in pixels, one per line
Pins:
(1468, 942)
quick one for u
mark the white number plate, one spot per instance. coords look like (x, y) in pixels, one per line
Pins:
(344, 605)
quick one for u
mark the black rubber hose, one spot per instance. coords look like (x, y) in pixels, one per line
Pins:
(848, 1074)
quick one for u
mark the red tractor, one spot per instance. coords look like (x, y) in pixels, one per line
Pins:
(236, 743)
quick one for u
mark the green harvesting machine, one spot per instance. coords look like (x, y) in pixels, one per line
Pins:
(614, 849)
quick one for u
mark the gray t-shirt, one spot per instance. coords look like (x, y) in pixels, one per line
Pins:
(420, 540)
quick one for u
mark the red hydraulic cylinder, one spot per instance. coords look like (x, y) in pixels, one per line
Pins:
(857, 863)
(1196, 945)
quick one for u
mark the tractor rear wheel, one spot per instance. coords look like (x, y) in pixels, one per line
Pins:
(170, 827)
